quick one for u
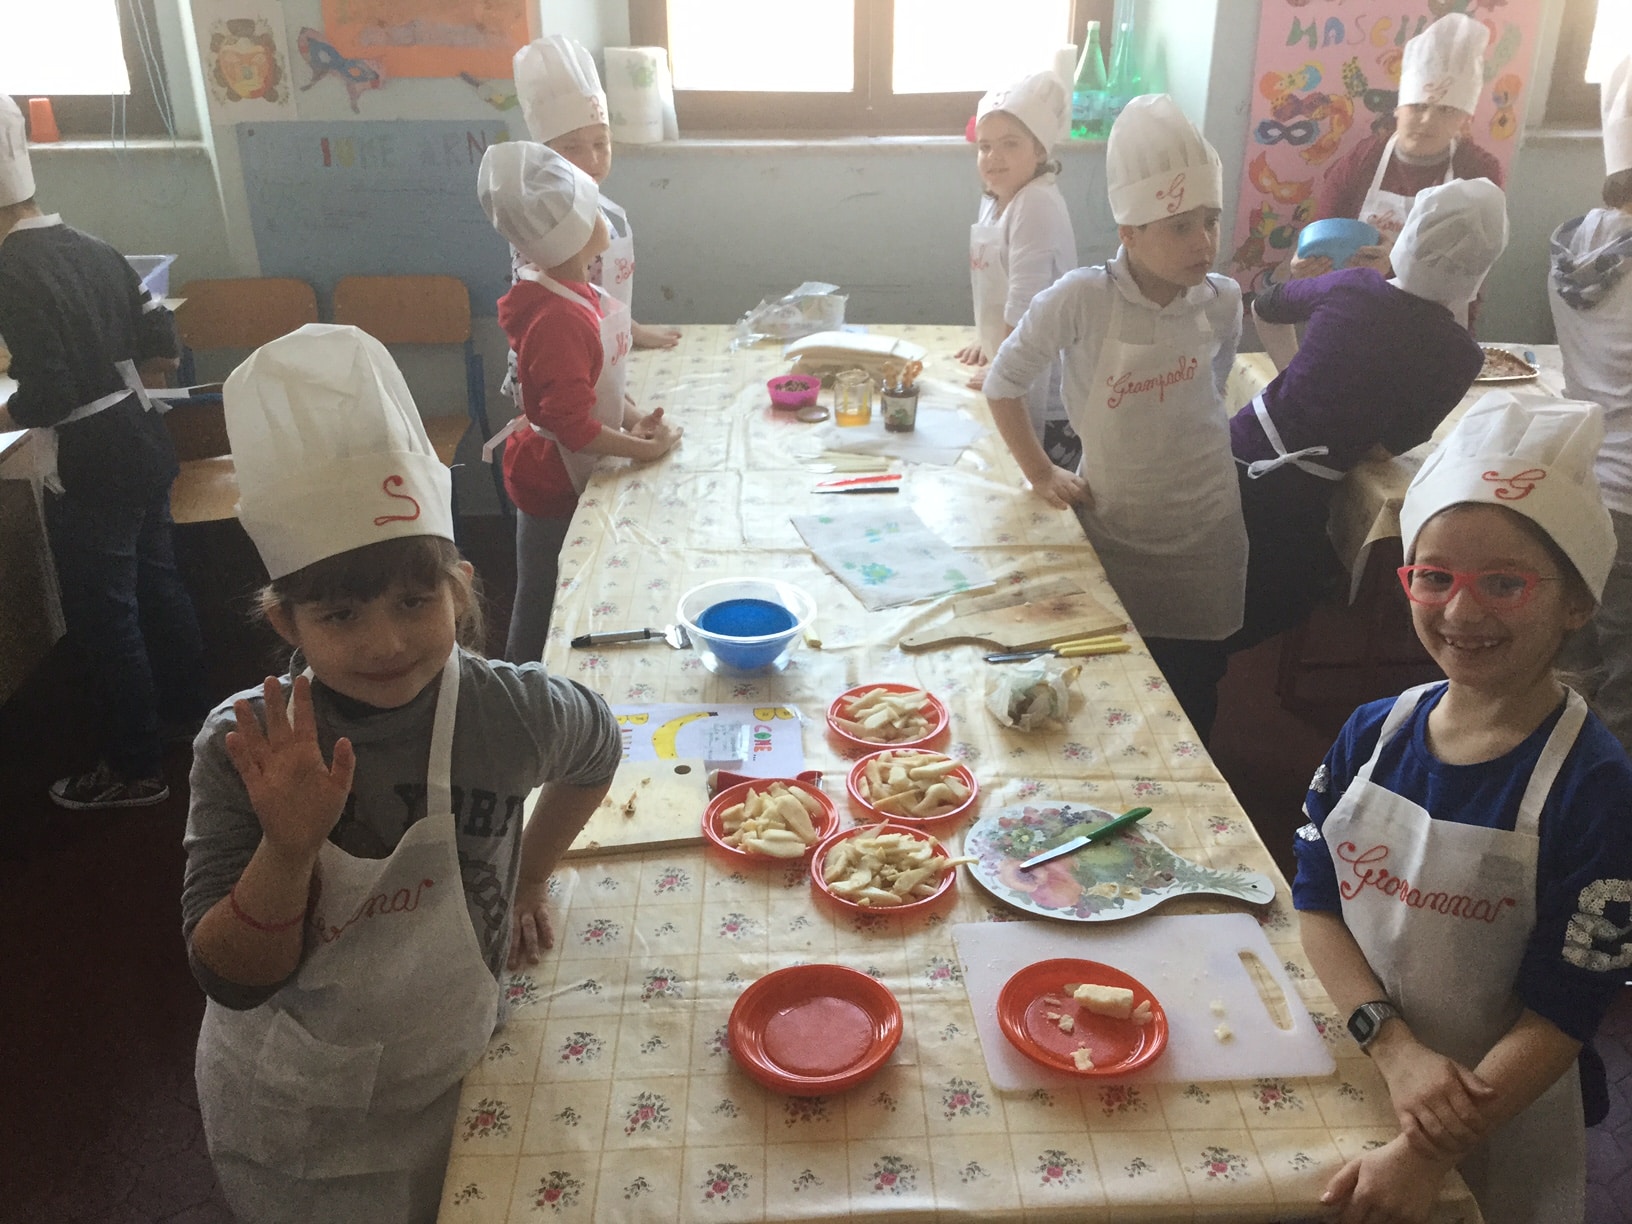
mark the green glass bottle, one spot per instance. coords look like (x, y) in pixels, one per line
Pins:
(1124, 83)
(1088, 90)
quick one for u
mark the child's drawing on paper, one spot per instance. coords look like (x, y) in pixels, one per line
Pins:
(429, 38)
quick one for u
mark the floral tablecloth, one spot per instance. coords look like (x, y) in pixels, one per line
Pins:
(611, 1094)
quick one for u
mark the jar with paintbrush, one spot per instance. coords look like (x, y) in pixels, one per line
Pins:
(898, 397)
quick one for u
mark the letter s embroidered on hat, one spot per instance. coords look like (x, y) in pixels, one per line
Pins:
(388, 485)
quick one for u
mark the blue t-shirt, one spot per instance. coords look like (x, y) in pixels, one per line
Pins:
(1584, 862)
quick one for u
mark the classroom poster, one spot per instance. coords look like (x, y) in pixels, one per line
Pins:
(1326, 77)
(428, 38)
(244, 54)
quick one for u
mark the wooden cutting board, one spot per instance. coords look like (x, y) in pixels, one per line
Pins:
(1025, 626)
(652, 804)
(1189, 962)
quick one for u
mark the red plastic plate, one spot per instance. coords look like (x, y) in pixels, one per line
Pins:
(934, 711)
(812, 1030)
(1116, 1046)
(825, 823)
(948, 879)
(868, 812)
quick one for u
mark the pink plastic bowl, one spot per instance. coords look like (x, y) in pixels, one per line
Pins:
(793, 390)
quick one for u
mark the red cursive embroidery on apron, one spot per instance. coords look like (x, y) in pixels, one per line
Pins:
(625, 269)
(389, 484)
(1125, 384)
(1362, 866)
(400, 902)
(1518, 486)
(1173, 193)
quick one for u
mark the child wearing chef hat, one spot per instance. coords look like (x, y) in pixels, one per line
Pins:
(1441, 78)
(1147, 342)
(1465, 874)
(1022, 240)
(565, 107)
(571, 340)
(83, 336)
(1590, 293)
(1380, 365)
(358, 873)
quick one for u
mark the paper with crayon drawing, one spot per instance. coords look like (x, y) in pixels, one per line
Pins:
(888, 559)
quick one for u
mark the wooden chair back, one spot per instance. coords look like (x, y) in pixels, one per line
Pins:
(405, 309)
(243, 312)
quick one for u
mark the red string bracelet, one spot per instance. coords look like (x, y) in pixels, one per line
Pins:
(267, 928)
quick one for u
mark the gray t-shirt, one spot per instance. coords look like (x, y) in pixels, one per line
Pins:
(517, 727)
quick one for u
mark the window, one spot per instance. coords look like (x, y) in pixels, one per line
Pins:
(851, 66)
(86, 55)
(1594, 34)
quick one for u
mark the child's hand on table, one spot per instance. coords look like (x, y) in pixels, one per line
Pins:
(530, 934)
(296, 796)
(654, 429)
(1391, 1183)
(650, 336)
(1436, 1099)
(1062, 489)
(970, 354)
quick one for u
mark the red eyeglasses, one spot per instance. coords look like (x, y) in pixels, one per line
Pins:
(1501, 590)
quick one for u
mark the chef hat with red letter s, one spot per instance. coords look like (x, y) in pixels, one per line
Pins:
(1039, 102)
(16, 171)
(1445, 64)
(1533, 456)
(330, 450)
(1158, 164)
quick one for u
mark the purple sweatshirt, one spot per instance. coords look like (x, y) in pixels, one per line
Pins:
(1377, 366)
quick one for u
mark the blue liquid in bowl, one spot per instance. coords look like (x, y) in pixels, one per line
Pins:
(747, 618)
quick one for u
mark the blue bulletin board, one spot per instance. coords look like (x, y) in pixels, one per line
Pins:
(368, 198)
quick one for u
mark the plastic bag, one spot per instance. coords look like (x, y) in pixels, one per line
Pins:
(813, 307)
(1033, 696)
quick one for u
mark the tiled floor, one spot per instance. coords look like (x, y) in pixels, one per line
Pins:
(98, 1013)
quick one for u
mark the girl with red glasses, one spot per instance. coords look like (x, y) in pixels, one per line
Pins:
(1465, 877)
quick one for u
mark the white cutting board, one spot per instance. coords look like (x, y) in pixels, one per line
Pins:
(1187, 962)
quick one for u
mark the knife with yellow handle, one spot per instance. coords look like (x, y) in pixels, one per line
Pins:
(1076, 648)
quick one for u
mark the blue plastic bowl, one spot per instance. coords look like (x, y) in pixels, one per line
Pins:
(745, 624)
(1337, 238)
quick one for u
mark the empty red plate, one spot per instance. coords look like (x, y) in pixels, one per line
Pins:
(812, 1030)
(1116, 1046)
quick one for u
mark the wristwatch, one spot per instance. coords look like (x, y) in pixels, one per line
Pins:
(1367, 1020)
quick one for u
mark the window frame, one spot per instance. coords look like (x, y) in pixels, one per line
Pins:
(1571, 101)
(117, 116)
(870, 109)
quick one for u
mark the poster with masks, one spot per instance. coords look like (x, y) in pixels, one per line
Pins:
(1325, 87)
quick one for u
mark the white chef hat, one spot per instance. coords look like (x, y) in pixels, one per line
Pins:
(1615, 101)
(1445, 64)
(558, 87)
(16, 173)
(1039, 102)
(1158, 164)
(1534, 456)
(1453, 234)
(539, 201)
(330, 451)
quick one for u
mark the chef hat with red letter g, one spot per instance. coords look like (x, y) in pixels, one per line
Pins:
(1445, 64)
(16, 171)
(1533, 456)
(330, 450)
(1615, 101)
(1039, 102)
(1158, 164)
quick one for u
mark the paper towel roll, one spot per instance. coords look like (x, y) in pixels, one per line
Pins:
(637, 80)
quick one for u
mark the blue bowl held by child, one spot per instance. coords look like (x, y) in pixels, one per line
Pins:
(1337, 238)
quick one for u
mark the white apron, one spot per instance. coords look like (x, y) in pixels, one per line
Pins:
(617, 338)
(47, 438)
(618, 260)
(1451, 973)
(989, 285)
(1166, 520)
(354, 1067)
(1385, 211)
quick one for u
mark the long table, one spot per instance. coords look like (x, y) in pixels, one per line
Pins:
(610, 1094)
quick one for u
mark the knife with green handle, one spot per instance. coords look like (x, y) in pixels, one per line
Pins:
(1085, 839)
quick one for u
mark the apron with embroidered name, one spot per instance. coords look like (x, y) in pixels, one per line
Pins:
(617, 338)
(1166, 519)
(1386, 211)
(353, 1068)
(989, 284)
(1449, 964)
